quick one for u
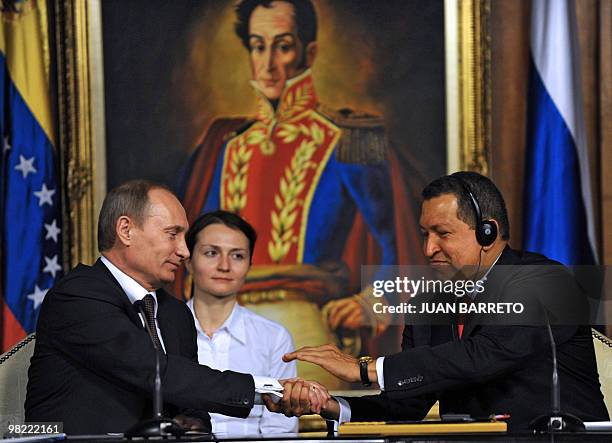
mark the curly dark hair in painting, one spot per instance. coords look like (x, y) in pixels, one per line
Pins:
(304, 14)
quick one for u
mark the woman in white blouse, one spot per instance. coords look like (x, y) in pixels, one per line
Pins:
(229, 335)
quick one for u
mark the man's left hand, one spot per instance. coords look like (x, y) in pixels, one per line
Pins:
(330, 358)
(190, 423)
(345, 312)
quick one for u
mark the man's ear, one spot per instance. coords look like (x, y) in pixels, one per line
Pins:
(123, 229)
(311, 53)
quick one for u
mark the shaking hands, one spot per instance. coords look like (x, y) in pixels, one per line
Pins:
(302, 397)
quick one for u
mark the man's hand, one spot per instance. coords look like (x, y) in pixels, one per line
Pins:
(299, 397)
(191, 423)
(346, 313)
(350, 313)
(330, 358)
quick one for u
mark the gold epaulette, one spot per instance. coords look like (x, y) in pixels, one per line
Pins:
(363, 138)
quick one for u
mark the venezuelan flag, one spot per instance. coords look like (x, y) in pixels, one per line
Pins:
(30, 218)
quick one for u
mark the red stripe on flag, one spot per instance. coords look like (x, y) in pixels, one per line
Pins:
(12, 331)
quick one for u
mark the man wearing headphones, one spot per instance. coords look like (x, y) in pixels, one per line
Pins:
(471, 366)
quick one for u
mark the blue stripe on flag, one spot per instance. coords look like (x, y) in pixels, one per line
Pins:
(554, 217)
(31, 243)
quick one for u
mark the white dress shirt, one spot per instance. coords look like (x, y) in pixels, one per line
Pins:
(134, 292)
(250, 343)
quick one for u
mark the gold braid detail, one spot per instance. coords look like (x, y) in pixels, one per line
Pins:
(292, 104)
(292, 184)
(295, 102)
(236, 198)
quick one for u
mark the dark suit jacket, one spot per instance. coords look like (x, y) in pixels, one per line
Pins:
(93, 365)
(493, 368)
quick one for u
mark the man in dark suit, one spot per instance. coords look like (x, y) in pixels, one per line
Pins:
(94, 363)
(479, 366)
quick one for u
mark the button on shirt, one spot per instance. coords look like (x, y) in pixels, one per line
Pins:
(134, 292)
(250, 343)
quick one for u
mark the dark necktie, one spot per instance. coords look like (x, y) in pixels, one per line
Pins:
(149, 308)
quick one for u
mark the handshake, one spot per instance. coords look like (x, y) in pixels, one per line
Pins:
(310, 397)
(302, 397)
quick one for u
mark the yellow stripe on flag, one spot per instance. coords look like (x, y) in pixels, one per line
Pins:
(24, 42)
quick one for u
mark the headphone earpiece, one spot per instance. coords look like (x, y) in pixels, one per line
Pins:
(486, 232)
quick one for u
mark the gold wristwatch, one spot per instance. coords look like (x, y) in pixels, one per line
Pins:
(363, 370)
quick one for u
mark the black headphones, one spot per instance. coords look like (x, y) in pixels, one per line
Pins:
(486, 230)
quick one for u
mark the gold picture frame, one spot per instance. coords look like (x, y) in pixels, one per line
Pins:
(80, 85)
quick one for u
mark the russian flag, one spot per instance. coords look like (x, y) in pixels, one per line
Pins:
(558, 213)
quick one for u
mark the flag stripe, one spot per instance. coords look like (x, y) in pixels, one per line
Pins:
(30, 212)
(13, 332)
(558, 219)
(555, 50)
(554, 207)
(23, 216)
(24, 37)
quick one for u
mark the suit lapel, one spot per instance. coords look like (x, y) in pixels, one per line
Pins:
(492, 288)
(103, 272)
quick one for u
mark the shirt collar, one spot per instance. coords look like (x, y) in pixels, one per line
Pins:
(131, 287)
(483, 279)
(234, 324)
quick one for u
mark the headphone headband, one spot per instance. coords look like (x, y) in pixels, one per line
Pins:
(486, 230)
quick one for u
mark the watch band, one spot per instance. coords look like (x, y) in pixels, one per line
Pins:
(363, 370)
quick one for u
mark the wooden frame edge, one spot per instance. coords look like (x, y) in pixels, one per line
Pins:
(81, 124)
(468, 85)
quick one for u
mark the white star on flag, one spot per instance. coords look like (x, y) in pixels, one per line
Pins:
(52, 231)
(44, 195)
(52, 266)
(37, 296)
(7, 145)
(25, 166)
